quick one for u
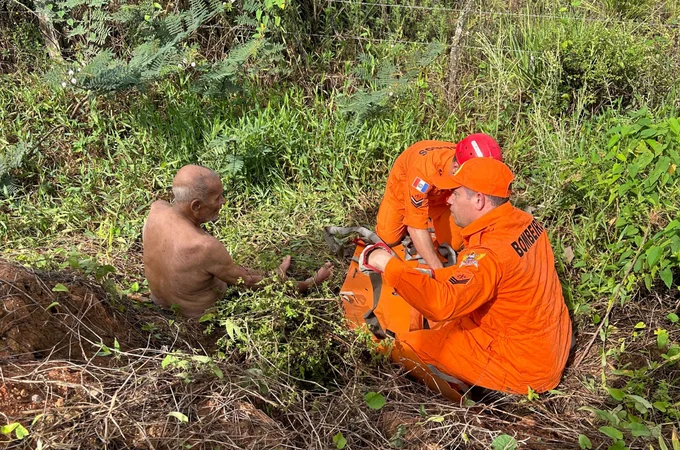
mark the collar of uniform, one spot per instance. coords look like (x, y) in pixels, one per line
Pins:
(486, 221)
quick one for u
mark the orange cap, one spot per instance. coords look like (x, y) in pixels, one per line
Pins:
(486, 175)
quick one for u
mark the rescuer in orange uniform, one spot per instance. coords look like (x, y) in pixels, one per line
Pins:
(412, 199)
(508, 327)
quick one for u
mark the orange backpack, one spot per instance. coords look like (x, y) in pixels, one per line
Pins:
(368, 301)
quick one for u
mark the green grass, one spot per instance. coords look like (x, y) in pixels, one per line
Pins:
(293, 162)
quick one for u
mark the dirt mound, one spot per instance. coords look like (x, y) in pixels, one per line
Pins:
(36, 322)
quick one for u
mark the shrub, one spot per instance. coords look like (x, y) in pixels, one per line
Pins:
(609, 64)
(624, 195)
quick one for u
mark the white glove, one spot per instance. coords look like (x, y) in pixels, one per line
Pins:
(366, 268)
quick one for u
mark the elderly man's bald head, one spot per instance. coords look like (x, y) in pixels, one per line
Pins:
(193, 182)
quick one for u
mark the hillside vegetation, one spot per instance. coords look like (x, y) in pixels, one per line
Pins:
(302, 107)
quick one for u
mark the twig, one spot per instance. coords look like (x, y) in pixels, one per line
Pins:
(605, 319)
(77, 107)
(454, 55)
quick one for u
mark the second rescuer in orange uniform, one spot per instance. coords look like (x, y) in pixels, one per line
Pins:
(413, 202)
(508, 327)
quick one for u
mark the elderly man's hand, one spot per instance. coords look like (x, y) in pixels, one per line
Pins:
(283, 268)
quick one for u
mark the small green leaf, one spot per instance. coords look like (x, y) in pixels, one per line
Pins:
(436, 419)
(612, 432)
(618, 445)
(641, 404)
(7, 429)
(672, 317)
(339, 441)
(662, 443)
(374, 400)
(504, 442)
(59, 288)
(20, 432)
(667, 276)
(653, 255)
(661, 406)
(218, 372)
(103, 350)
(179, 416)
(640, 400)
(674, 440)
(640, 326)
(206, 317)
(584, 442)
(617, 394)
(52, 305)
(202, 358)
(37, 418)
(674, 125)
(232, 329)
(661, 338)
(169, 359)
(639, 430)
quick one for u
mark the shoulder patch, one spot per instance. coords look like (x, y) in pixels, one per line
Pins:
(420, 185)
(417, 201)
(471, 259)
(461, 277)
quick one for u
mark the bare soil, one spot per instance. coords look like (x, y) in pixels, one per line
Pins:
(37, 322)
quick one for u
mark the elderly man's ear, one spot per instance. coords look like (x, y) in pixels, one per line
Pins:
(195, 205)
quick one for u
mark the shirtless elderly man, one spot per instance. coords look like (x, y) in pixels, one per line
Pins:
(185, 265)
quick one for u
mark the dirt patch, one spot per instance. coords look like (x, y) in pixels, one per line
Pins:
(30, 392)
(36, 322)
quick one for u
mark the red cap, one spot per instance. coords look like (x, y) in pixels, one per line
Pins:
(486, 175)
(478, 145)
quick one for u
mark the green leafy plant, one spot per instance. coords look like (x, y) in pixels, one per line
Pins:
(19, 431)
(374, 400)
(504, 442)
(339, 441)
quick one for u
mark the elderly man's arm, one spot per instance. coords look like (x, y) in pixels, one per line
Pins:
(223, 267)
(451, 293)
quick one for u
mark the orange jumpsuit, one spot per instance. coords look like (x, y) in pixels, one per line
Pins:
(508, 326)
(410, 198)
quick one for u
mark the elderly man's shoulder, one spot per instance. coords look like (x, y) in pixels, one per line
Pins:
(159, 208)
(160, 204)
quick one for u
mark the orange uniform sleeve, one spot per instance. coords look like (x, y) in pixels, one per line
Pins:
(453, 291)
(416, 205)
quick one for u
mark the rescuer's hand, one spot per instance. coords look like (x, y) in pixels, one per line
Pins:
(379, 254)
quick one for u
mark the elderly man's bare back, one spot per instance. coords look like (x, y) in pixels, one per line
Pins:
(177, 257)
(185, 265)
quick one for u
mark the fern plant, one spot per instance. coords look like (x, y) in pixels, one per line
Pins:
(162, 45)
(13, 158)
(386, 81)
